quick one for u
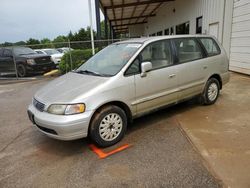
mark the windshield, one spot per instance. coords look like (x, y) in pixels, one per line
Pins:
(23, 51)
(51, 51)
(110, 60)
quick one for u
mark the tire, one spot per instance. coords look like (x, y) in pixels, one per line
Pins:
(104, 130)
(21, 70)
(211, 92)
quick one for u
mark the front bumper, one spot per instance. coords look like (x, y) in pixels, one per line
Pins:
(41, 68)
(62, 127)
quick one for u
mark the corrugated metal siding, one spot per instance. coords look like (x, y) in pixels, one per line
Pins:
(240, 39)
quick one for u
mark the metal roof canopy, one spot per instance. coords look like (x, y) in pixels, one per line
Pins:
(124, 13)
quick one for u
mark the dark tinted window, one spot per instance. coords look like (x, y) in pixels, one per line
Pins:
(1, 52)
(7, 53)
(158, 53)
(188, 49)
(211, 47)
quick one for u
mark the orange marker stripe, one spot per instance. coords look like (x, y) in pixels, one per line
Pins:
(103, 155)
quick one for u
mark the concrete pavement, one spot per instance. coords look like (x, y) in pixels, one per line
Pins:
(161, 156)
(221, 132)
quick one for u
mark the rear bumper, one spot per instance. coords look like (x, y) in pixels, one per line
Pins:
(225, 77)
(62, 127)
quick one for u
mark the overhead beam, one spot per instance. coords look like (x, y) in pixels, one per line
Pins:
(137, 23)
(134, 17)
(112, 6)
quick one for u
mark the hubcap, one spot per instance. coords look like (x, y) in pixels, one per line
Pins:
(110, 127)
(212, 91)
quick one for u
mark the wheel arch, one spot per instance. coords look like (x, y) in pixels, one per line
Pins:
(217, 77)
(120, 104)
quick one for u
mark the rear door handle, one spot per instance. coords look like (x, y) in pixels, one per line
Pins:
(205, 67)
(172, 75)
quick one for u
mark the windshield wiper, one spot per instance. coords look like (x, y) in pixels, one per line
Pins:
(90, 72)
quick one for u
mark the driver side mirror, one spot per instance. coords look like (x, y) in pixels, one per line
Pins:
(145, 67)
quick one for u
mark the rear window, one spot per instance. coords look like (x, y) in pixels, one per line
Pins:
(211, 46)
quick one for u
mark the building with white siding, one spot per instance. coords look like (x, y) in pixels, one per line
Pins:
(228, 20)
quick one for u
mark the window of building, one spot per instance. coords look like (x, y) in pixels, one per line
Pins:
(199, 25)
(159, 33)
(188, 49)
(166, 32)
(210, 45)
(158, 53)
(153, 34)
(172, 31)
(182, 28)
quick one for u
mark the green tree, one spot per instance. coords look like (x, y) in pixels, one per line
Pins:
(34, 43)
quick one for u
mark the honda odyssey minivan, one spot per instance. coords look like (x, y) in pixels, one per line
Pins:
(126, 80)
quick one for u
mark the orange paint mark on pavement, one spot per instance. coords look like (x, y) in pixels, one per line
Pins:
(101, 154)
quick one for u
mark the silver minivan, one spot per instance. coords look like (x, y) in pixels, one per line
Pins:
(126, 80)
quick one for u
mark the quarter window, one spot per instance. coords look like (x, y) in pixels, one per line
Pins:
(210, 46)
(188, 49)
(134, 68)
(158, 53)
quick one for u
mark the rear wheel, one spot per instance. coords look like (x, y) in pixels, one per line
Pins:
(21, 70)
(211, 92)
(108, 126)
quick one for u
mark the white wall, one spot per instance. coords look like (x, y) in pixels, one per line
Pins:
(240, 39)
(213, 12)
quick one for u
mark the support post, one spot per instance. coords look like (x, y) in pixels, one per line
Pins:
(106, 23)
(91, 29)
(98, 23)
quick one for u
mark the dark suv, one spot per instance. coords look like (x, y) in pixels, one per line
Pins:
(27, 61)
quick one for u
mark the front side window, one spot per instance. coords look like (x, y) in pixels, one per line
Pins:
(158, 53)
(210, 46)
(110, 60)
(188, 49)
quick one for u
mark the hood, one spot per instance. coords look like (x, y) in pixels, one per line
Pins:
(33, 56)
(57, 55)
(69, 88)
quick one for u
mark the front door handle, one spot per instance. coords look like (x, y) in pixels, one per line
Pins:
(172, 75)
(205, 67)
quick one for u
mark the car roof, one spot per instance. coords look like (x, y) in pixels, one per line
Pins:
(156, 38)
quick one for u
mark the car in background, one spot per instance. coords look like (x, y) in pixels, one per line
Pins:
(64, 49)
(56, 56)
(27, 61)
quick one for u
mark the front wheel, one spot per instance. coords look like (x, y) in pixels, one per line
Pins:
(108, 126)
(21, 70)
(211, 92)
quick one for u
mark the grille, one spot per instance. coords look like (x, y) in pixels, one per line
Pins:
(39, 106)
(42, 60)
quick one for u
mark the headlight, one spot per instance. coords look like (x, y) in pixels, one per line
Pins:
(62, 109)
(31, 61)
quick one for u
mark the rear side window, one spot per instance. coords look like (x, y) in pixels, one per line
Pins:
(1, 52)
(211, 46)
(7, 53)
(188, 49)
